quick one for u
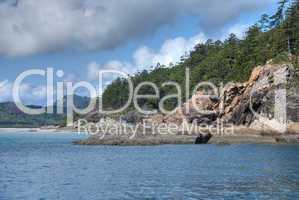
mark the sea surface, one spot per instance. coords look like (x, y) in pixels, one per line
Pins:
(49, 166)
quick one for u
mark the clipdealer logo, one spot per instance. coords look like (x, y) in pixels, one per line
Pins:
(56, 91)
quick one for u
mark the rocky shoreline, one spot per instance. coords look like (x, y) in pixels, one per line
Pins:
(162, 140)
(250, 107)
(244, 135)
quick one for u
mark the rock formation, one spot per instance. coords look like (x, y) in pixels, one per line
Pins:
(260, 98)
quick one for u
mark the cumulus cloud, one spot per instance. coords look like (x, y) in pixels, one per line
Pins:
(145, 57)
(170, 52)
(238, 29)
(93, 68)
(39, 92)
(28, 92)
(36, 26)
(5, 90)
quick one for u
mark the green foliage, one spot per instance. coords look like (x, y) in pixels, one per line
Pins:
(278, 17)
(281, 58)
(220, 62)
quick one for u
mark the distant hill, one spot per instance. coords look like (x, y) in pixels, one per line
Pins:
(80, 102)
(12, 117)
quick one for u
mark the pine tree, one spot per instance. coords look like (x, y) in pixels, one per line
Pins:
(264, 23)
(278, 17)
(291, 26)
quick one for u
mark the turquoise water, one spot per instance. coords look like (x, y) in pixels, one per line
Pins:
(48, 166)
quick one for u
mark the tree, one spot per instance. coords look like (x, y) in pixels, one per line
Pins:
(253, 43)
(232, 39)
(264, 23)
(291, 26)
(278, 17)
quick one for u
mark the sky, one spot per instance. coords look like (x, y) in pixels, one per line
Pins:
(81, 37)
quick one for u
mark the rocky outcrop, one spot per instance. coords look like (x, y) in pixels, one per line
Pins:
(150, 140)
(192, 111)
(262, 97)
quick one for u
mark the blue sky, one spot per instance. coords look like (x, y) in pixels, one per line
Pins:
(130, 51)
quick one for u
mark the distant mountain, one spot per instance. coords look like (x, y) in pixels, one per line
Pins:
(12, 117)
(80, 102)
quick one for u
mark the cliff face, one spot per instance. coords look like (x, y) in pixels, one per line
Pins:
(269, 96)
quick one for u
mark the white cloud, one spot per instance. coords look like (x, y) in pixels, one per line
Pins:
(39, 92)
(238, 29)
(5, 90)
(145, 57)
(93, 68)
(36, 26)
(28, 93)
(170, 52)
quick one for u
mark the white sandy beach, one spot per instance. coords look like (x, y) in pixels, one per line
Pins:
(34, 130)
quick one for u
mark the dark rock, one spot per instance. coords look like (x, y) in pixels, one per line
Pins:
(203, 139)
(214, 99)
(133, 117)
(208, 118)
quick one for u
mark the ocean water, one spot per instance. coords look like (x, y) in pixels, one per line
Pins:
(48, 166)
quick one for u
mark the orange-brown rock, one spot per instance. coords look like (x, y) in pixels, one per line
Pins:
(237, 100)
